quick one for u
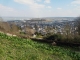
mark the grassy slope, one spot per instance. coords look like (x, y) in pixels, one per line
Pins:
(14, 48)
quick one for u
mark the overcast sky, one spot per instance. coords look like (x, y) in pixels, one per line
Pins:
(39, 8)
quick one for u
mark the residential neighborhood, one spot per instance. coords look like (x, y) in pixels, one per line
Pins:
(45, 26)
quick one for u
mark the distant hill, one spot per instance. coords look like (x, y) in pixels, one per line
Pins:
(28, 18)
(60, 18)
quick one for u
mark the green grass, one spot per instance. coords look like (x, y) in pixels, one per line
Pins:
(14, 48)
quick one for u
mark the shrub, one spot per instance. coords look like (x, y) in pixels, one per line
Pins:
(54, 37)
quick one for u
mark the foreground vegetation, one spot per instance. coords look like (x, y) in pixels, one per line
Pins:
(63, 38)
(15, 48)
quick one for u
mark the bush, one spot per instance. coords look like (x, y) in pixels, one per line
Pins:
(62, 38)
(55, 37)
(77, 39)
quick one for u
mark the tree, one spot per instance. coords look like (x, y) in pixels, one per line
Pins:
(67, 29)
(14, 29)
(29, 31)
(4, 26)
(77, 23)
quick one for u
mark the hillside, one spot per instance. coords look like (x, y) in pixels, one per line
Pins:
(15, 48)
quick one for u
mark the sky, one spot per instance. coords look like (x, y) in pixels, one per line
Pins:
(39, 8)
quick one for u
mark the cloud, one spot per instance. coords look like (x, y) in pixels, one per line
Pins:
(25, 1)
(35, 7)
(10, 12)
(5, 8)
(39, 0)
(31, 3)
(5, 11)
(49, 7)
(77, 8)
(76, 2)
(59, 8)
(47, 1)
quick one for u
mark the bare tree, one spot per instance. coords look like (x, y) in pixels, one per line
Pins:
(14, 28)
(77, 23)
(4, 26)
(30, 31)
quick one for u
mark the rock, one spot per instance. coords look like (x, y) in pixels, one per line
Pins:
(53, 43)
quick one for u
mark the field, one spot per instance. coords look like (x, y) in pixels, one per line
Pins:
(15, 48)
